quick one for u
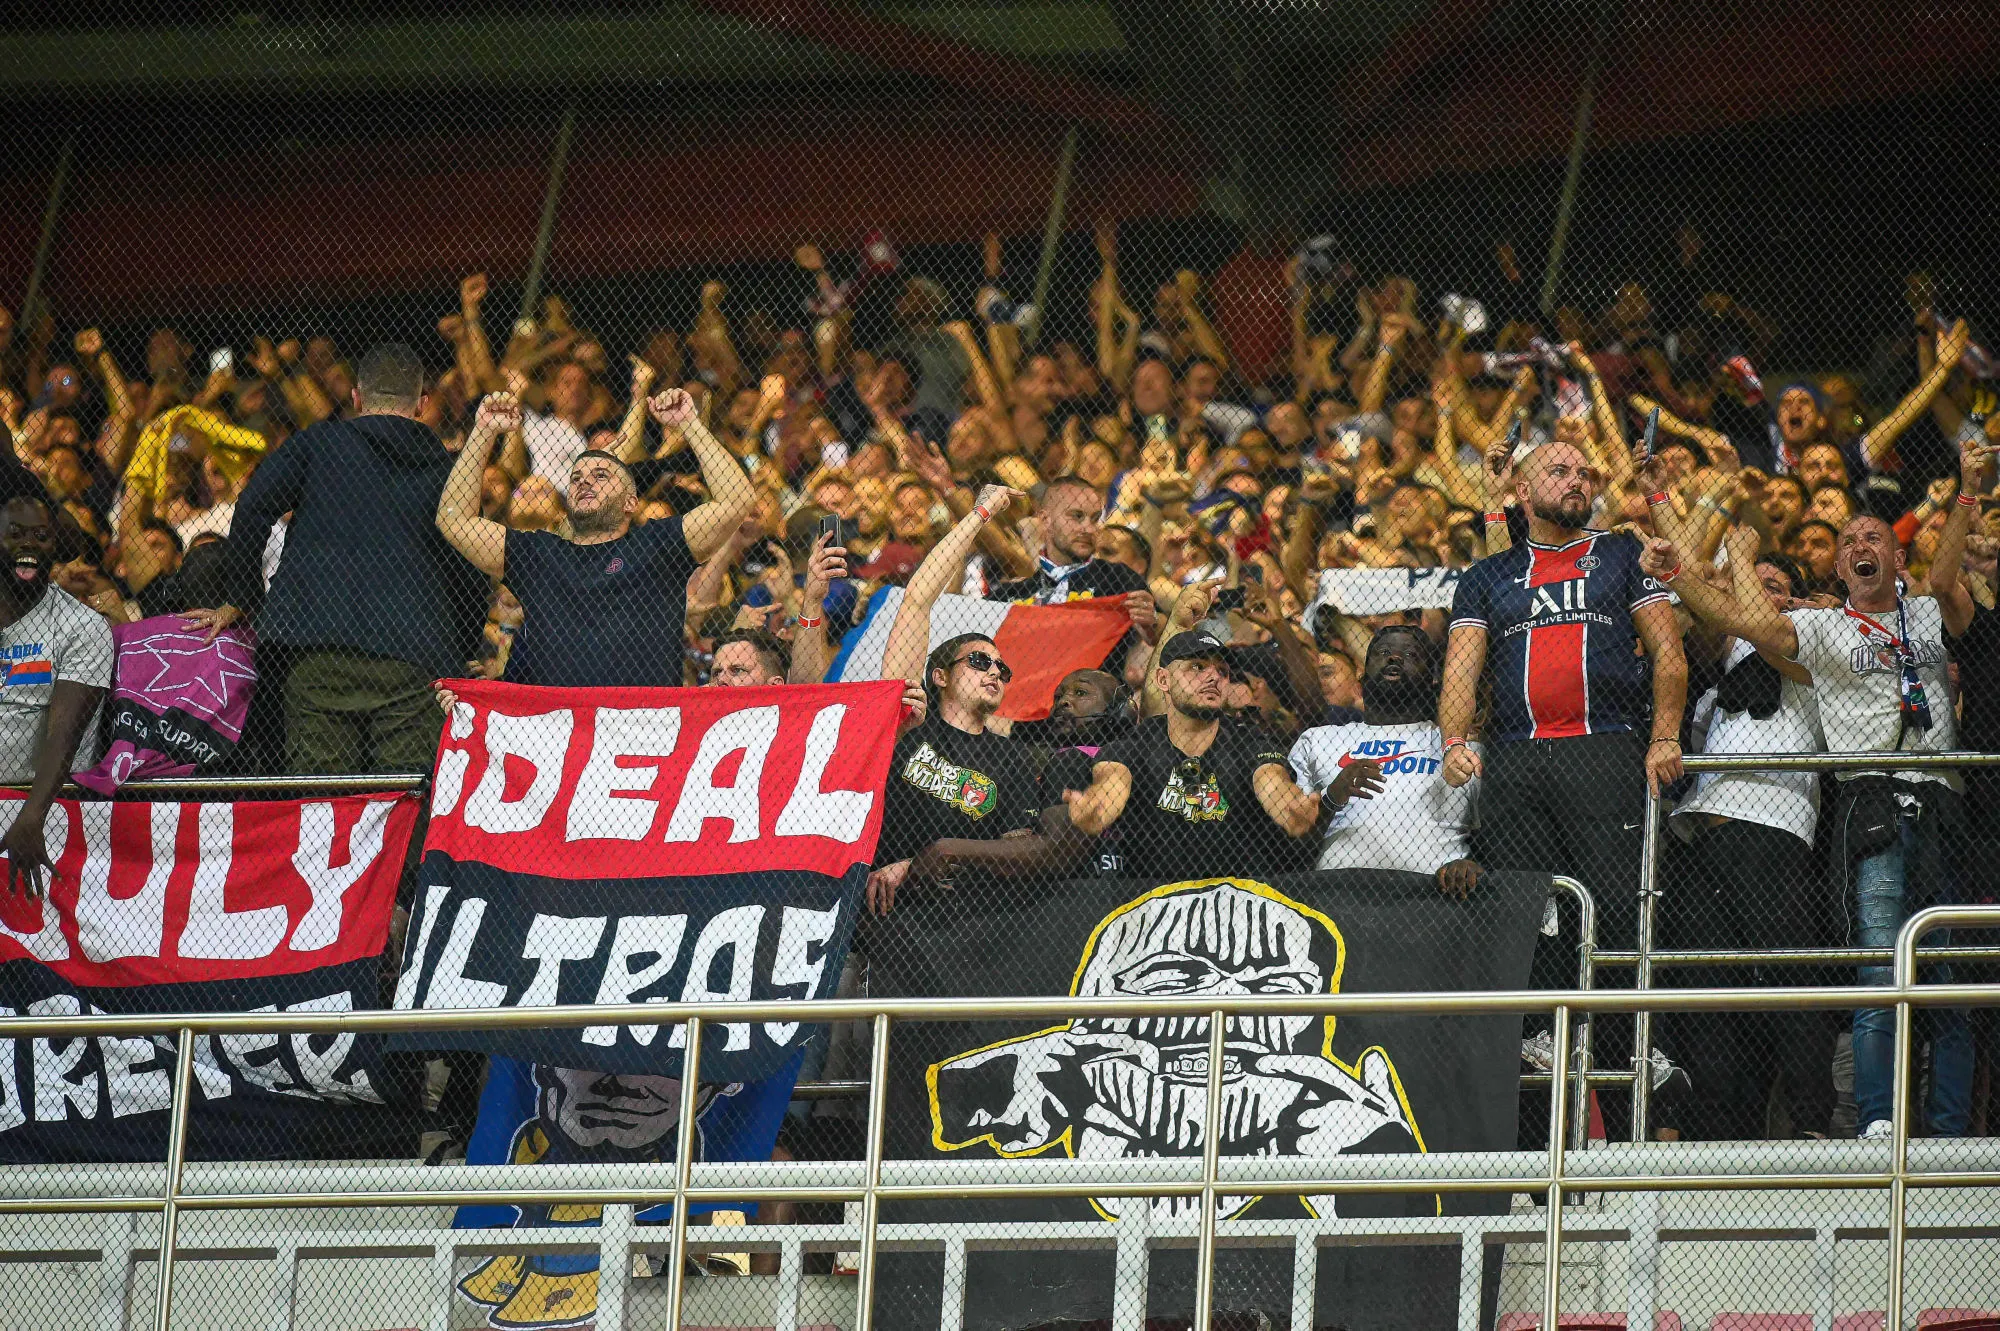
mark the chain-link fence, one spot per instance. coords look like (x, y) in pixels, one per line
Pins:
(1225, 502)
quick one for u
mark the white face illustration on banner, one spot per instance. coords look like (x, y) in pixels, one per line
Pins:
(1283, 1092)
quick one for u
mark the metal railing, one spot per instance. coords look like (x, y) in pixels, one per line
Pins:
(1365, 1174)
(1645, 957)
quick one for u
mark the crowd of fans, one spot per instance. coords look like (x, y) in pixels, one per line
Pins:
(1661, 554)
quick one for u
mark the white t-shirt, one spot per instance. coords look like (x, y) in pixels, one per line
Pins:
(1417, 823)
(215, 518)
(1788, 801)
(61, 638)
(553, 444)
(1855, 673)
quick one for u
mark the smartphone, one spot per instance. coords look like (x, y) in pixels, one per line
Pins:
(1652, 433)
(1229, 598)
(839, 528)
(221, 360)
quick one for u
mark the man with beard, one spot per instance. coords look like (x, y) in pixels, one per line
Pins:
(1088, 712)
(55, 666)
(1574, 740)
(961, 800)
(1193, 797)
(1069, 567)
(1385, 797)
(605, 606)
(1878, 667)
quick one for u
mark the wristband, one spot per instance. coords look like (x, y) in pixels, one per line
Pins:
(1500, 517)
(1455, 742)
(984, 516)
(1970, 501)
(1671, 574)
(812, 623)
(1665, 739)
(1657, 497)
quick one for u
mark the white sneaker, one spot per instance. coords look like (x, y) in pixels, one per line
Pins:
(1538, 1051)
(1668, 1076)
(1880, 1130)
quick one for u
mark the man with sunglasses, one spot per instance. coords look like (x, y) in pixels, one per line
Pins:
(1195, 796)
(961, 801)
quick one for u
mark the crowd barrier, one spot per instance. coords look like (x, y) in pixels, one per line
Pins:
(873, 1180)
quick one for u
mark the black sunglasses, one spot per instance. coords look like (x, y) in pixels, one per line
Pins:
(982, 662)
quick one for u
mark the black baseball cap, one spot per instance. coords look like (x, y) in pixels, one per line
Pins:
(1193, 646)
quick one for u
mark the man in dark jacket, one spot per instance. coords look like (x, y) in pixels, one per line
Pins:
(368, 601)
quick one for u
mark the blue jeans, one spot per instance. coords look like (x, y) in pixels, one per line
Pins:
(1882, 901)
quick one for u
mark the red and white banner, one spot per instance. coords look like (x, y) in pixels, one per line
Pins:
(636, 783)
(150, 894)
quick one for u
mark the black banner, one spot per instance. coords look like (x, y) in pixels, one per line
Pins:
(486, 937)
(258, 1096)
(1111, 1089)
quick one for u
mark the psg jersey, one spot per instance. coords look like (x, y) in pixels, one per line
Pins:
(1560, 644)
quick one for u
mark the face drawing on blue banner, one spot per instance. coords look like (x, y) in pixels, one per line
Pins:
(1136, 1088)
(579, 1116)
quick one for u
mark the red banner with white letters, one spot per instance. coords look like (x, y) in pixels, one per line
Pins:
(148, 894)
(630, 783)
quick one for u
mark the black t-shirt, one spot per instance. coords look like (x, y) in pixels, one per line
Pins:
(1071, 769)
(1977, 652)
(944, 782)
(1099, 577)
(1198, 817)
(600, 615)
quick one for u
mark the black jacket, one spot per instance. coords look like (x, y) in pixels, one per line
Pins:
(364, 566)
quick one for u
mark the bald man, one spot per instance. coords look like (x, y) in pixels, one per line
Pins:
(1577, 731)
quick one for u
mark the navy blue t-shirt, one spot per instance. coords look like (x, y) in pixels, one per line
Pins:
(1560, 638)
(600, 615)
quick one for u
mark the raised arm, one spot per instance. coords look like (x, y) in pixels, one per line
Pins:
(1375, 387)
(1206, 340)
(476, 351)
(730, 494)
(811, 651)
(1770, 633)
(1975, 460)
(632, 430)
(990, 394)
(480, 539)
(910, 636)
(1875, 445)
(1189, 609)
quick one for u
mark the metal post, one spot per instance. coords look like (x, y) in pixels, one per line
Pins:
(1642, 1022)
(531, 290)
(1051, 237)
(170, 1211)
(1579, 140)
(1211, 1154)
(684, 1141)
(1558, 1140)
(42, 246)
(871, 1182)
(1586, 978)
(1899, 1152)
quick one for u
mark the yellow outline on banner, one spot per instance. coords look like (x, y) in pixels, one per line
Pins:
(1066, 1139)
